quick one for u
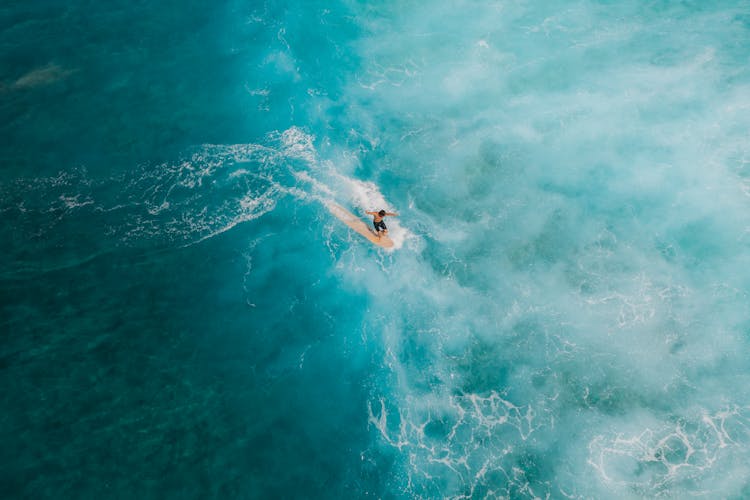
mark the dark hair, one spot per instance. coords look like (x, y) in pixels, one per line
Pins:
(381, 213)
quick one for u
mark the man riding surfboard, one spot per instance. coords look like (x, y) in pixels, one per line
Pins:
(377, 221)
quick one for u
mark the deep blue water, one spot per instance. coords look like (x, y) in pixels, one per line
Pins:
(566, 312)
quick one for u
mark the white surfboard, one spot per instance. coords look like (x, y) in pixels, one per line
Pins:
(356, 223)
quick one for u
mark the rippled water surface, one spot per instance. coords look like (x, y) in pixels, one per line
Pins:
(564, 314)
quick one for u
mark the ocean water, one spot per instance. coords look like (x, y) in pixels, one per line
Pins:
(566, 312)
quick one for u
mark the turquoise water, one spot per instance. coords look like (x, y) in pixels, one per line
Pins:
(565, 314)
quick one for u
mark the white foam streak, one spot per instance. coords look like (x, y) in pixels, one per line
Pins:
(213, 190)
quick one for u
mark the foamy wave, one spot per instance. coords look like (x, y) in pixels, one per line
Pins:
(665, 457)
(440, 436)
(211, 191)
(299, 144)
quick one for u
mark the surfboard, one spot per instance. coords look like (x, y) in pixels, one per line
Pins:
(356, 223)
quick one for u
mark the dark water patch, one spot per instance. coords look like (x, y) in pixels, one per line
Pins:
(148, 374)
(128, 68)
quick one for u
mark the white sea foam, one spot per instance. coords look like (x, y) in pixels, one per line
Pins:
(213, 190)
(666, 455)
(75, 201)
(577, 308)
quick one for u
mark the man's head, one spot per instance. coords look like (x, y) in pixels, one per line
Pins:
(381, 213)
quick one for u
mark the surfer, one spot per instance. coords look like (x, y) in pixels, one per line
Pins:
(377, 221)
